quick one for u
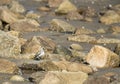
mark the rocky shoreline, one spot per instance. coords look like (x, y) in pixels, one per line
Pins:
(59, 42)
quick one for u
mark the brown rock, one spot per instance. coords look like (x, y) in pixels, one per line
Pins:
(8, 67)
(55, 77)
(61, 26)
(47, 43)
(101, 30)
(65, 7)
(74, 15)
(115, 29)
(7, 16)
(64, 65)
(17, 78)
(15, 6)
(97, 80)
(24, 26)
(110, 17)
(83, 31)
(45, 9)
(108, 40)
(101, 57)
(81, 38)
(14, 33)
(76, 47)
(117, 49)
(32, 15)
(31, 46)
(5, 2)
(54, 3)
(9, 45)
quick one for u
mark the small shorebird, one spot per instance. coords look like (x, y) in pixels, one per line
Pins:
(40, 54)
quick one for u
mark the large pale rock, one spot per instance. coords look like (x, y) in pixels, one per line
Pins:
(83, 31)
(110, 17)
(55, 77)
(9, 45)
(54, 3)
(15, 6)
(7, 16)
(65, 7)
(24, 26)
(102, 57)
(61, 26)
(31, 46)
(64, 65)
(8, 67)
(82, 38)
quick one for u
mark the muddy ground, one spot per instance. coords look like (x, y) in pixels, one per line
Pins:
(61, 38)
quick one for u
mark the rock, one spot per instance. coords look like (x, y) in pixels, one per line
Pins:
(54, 3)
(48, 66)
(14, 33)
(31, 46)
(5, 2)
(76, 47)
(83, 31)
(74, 15)
(1, 25)
(115, 29)
(61, 26)
(62, 50)
(45, 9)
(97, 80)
(54, 57)
(117, 49)
(110, 17)
(102, 57)
(108, 40)
(65, 7)
(24, 26)
(32, 15)
(9, 45)
(8, 67)
(82, 38)
(47, 43)
(15, 6)
(64, 65)
(17, 78)
(8, 16)
(78, 55)
(87, 13)
(117, 8)
(7, 83)
(101, 30)
(55, 77)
